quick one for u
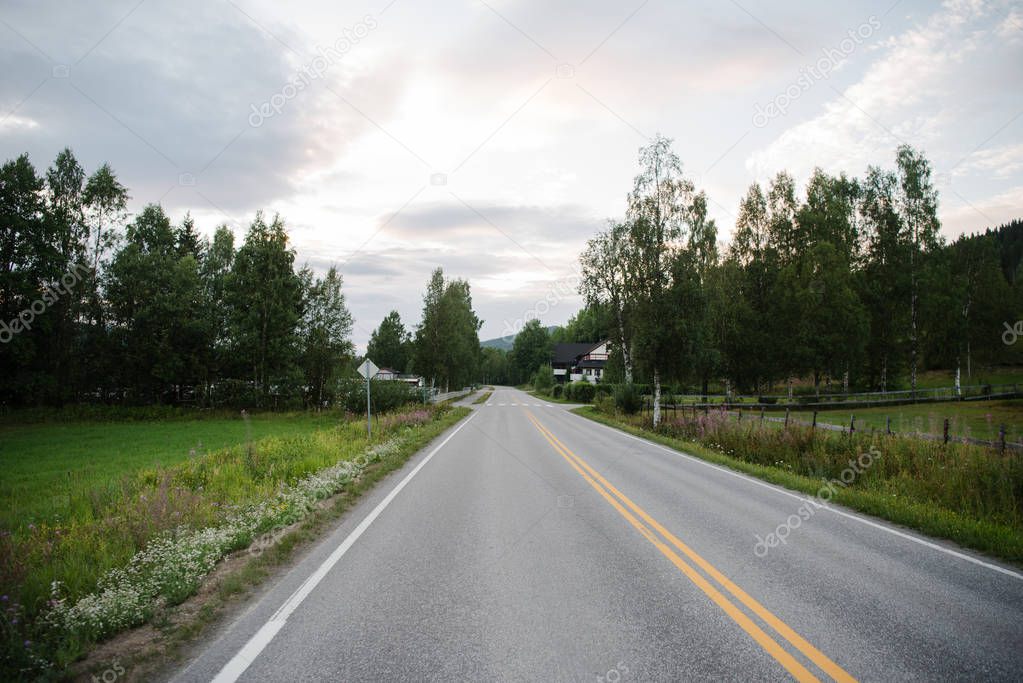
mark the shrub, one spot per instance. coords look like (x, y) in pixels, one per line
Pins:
(767, 400)
(384, 395)
(604, 404)
(628, 399)
(581, 391)
(543, 379)
(557, 391)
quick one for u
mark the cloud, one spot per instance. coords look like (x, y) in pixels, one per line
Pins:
(164, 92)
(947, 73)
(1000, 162)
(166, 98)
(961, 214)
(540, 226)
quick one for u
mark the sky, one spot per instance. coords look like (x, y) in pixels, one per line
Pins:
(492, 138)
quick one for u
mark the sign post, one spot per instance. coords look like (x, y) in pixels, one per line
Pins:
(369, 371)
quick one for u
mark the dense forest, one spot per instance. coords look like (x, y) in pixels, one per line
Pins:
(98, 306)
(847, 285)
(850, 284)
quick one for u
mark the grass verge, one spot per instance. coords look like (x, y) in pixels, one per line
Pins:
(165, 639)
(483, 398)
(146, 540)
(977, 419)
(965, 494)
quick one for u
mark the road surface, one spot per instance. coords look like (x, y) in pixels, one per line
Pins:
(531, 544)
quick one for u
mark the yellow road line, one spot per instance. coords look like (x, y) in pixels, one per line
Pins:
(783, 629)
(769, 644)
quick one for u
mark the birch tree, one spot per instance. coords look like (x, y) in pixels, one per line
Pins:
(606, 281)
(917, 207)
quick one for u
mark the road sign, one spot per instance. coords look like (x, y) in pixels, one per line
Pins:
(368, 369)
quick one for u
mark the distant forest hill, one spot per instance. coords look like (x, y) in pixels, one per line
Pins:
(1009, 238)
(506, 343)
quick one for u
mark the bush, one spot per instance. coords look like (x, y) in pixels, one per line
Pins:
(581, 391)
(543, 379)
(384, 395)
(604, 404)
(767, 400)
(557, 391)
(627, 399)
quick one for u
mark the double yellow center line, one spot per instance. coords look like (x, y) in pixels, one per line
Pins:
(647, 526)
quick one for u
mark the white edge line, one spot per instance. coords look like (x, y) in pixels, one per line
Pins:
(241, 661)
(813, 501)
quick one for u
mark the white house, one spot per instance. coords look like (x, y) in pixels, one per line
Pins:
(573, 362)
(387, 374)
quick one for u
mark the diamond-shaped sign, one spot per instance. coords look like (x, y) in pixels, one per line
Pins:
(368, 369)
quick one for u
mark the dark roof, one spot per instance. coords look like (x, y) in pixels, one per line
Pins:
(567, 353)
(591, 364)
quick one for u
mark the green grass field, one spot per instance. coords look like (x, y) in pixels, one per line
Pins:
(45, 465)
(977, 419)
(80, 497)
(946, 378)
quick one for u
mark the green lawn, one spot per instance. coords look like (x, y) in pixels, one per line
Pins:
(978, 419)
(946, 378)
(43, 463)
(80, 497)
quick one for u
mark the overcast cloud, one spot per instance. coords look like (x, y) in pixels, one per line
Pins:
(493, 138)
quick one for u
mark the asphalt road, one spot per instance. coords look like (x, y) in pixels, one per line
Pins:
(531, 544)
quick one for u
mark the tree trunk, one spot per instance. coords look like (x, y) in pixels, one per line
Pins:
(958, 386)
(626, 356)
(845, 381)
(884, 374)
(912, 317)
(790, 388)
(657, 397)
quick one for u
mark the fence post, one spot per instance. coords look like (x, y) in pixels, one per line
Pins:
(1001, 437)
(761, 413)
(786, 418)
(814, 425)
(946, 430)
(740, 414)
(852, 424)
(888, 424)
